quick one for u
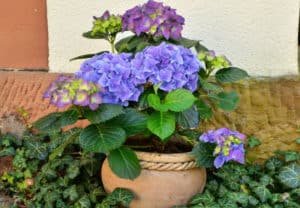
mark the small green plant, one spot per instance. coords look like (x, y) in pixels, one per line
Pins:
(70, 180)
(274, 184)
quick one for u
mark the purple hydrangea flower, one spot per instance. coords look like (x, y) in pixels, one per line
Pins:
(230, 145)
(115, 74)
(69, 90)
(170, 65)
(153, 18)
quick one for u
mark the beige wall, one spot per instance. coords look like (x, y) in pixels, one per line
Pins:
(258, 35)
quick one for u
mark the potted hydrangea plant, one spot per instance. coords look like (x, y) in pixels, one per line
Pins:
(144, 101)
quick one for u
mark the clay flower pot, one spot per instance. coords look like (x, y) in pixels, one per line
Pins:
(166, 180)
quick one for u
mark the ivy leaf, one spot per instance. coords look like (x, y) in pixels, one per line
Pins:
(205, 198)
(179, 100)
(290, 175)
(298, 140)
(121, 195)
(97, 138)
(226, 101)
(132, 121)
(71, 193)
(204, 109)
(189, 118)
(161, 124)
(83, 202)
(230, 74)
(8, 151)
(124, 163)
(36, 149)
(73, 170)
(273, 164)
(253, 142)
(203, 153)
(263, 193)
(104, 113)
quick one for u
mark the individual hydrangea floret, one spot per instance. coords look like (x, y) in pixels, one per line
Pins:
(107, 24)
(69, 90)
(115, 74)
(230, 145)
(170, 66)
(153, 18)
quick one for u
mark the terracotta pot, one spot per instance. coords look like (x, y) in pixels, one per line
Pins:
(159, 188)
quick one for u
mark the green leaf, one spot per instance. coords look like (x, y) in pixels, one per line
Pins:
(290, 175)
(230, 74)
(226, 101)
(90, 35)
(71, 193)
(298, 140)
(53, 122)
(204, 109)
(189, 118)
(179, 100)
(253, 142)
(209, 86)
(161, 124)
(9, 151)
(154, 102)
(205, 198)
(121, 195)
(73, 170)
(124, 163)
(36, 149)
(132, 121)
(203, 153)
(273, 164)
(263, 193)
(103, 139)
(69, 140)
(86, 56)
(103, 113)
(123, 44)
(83, 202)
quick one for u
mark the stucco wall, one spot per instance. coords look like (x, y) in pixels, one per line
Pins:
(258, 35)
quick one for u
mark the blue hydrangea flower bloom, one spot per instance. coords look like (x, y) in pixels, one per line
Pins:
(153, 18)
(170, 65)
(114, 73)
(229, 145)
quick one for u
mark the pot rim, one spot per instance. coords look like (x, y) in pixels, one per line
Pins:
(165, 157)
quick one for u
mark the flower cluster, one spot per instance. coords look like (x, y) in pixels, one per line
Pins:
(115, 74)
(107, 24)
(153, 18)
(170, 66)
(69, 90)
(230, 145)
(123, 76)
(212, 61)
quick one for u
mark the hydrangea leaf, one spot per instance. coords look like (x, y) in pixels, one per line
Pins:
(86, 56)
(97, 138)
(226, 101)
(290, 175)
(189, 118)
(53, 122)
(204, 109)
(209, 86)
(162, 124)
(103, 113)
(230, 74)
(154, 102)
(124, 163)
(179, 100)
(203, 152)
(132, 121)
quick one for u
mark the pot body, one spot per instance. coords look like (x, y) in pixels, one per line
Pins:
(157, 188)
